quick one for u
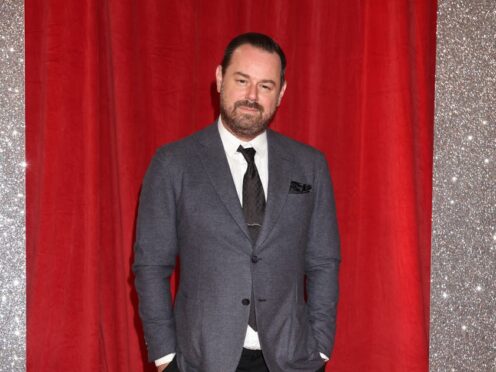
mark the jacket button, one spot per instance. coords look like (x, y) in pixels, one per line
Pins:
(245, 301)
(254, 259)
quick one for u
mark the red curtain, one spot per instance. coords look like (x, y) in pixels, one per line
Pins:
(108, 81)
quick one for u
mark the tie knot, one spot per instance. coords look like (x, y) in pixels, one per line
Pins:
(248, 154)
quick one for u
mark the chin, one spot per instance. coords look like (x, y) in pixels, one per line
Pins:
(251, 132)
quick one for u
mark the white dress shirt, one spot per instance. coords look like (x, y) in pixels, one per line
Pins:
(238, 165)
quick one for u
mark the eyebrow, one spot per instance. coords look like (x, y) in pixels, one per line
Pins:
(265, 81)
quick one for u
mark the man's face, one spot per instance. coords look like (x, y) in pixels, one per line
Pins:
(250, 91)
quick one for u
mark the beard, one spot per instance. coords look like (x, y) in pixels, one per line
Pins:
(245, 125)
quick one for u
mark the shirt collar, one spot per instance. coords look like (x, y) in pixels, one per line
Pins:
(231, 142)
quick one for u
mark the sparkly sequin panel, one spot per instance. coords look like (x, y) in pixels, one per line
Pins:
(463, 289)
(12, 167)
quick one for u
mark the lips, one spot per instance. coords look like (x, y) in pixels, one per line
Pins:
(250, 109)
(248, 106)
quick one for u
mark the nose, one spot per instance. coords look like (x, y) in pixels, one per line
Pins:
(252, 93)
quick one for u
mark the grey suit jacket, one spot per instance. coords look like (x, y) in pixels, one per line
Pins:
(189, 207)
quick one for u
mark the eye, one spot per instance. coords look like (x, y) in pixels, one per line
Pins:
(266, 87)
(241, 81)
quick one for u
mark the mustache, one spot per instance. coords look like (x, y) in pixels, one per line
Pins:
(249, 104)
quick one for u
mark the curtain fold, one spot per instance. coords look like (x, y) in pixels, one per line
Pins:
(107, 82)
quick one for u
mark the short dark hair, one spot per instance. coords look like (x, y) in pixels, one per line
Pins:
(257, 40)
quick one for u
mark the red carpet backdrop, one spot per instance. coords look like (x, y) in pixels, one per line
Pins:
(108, 81)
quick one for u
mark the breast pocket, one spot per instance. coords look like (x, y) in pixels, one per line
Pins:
(299, 206)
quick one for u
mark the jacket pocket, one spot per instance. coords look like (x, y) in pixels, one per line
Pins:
(188, 314)
(303, 343)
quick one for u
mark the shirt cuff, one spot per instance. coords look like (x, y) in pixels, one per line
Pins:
(165, 359)
(325, 357)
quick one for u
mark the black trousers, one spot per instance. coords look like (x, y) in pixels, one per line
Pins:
(251, 361)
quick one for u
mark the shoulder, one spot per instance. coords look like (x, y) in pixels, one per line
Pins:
(183, 149)
(296, 149)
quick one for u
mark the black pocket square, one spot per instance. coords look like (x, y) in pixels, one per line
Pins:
(299, 188)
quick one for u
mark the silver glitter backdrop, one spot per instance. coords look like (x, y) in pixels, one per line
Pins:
(12, 167)
(463, 289)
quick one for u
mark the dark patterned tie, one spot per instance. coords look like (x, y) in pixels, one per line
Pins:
(253, 194)
(253, 209)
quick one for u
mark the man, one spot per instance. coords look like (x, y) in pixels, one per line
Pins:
(250, 214)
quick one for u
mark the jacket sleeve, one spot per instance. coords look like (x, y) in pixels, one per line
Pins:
(322, 260)
(155, 252)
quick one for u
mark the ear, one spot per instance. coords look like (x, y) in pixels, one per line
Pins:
(218, 77)
(281, 93)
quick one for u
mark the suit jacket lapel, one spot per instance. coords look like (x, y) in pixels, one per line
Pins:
(279, 181)
(213, 158)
